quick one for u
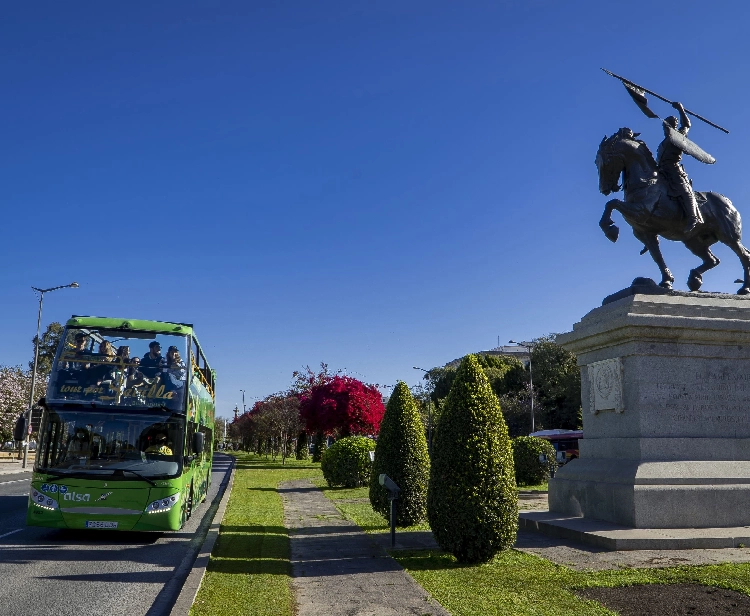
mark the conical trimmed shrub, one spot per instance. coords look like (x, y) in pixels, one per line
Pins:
(472, 506)
(401, 453)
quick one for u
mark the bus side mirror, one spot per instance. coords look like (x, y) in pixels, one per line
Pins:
(19, 430)
(198, 443)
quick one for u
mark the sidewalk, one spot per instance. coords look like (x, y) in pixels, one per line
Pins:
(339, 570)
(8, 468)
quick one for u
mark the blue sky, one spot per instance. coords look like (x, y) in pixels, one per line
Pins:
(373, 185)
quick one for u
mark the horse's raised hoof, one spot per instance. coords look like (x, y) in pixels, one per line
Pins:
(612, 232)
(695, 280)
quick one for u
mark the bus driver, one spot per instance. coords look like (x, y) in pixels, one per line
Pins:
(159, 445)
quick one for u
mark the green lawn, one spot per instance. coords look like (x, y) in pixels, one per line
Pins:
(542, 487)
(250, 573)
(249, 570)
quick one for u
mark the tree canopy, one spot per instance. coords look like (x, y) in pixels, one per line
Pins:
(557, 386)
(342, 405)
(47, 349)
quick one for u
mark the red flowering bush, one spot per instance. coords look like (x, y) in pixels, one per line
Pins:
(344, 405)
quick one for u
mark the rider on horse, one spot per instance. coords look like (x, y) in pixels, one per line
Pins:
(668, 157)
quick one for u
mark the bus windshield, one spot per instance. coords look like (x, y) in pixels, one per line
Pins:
(128, 444)
(120, 368)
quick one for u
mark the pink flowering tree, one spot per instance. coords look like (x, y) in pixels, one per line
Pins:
(14, 397)
(342, 405)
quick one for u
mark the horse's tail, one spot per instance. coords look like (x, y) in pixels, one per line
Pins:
(725, 216)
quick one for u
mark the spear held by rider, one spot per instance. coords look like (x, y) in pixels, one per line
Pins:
(638, 93)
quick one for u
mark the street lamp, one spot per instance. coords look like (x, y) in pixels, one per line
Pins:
(244, 410)
(72, 285)
(429, 411)
(528, 346)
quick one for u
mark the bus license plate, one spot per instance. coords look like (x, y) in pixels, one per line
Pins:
(97, 524)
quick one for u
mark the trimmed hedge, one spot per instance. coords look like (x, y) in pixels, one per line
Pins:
(529, 470)
(401, 453)
(472, 505)
(347, 462)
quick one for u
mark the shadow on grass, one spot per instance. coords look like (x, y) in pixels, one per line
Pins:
(260, 545)
(428, 560)
(256, 566)
(255, 529)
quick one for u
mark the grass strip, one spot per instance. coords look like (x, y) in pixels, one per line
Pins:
(354, 505)
(518, 583)
(541, 487)
(249, 571)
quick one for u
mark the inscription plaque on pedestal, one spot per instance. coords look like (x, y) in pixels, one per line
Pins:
(605, 385)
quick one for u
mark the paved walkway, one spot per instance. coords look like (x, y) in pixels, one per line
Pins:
(584, 557)
(339, 570)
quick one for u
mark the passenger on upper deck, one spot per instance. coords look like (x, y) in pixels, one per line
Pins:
(152, 360)
(123, 354)
(176, 371)
(135, 376)
(104, 369)
(78, 350)
(106, 349)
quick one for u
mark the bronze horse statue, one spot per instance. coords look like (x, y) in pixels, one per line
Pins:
(650, 211)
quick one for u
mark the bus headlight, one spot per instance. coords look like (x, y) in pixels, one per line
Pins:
(43, 500)
(163, 504)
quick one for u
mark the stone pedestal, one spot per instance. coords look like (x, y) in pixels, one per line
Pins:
(666, 414)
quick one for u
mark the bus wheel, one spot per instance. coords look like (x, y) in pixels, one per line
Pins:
(187, 508)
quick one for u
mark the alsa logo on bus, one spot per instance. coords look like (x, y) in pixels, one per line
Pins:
(66, 494)
(75, 496)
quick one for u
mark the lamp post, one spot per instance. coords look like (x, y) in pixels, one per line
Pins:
(528, 346)
(72, 285)
(429, 412)
(244, 409)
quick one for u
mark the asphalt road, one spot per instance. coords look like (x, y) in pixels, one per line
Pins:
(56, 572)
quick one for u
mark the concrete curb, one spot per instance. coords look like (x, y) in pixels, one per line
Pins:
(190, 588)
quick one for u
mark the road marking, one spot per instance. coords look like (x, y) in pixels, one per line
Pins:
(2, 483)
(13, 532)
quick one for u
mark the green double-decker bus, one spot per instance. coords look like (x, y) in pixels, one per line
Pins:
(126, 436)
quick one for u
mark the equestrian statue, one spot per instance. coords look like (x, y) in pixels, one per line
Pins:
(658, 196)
